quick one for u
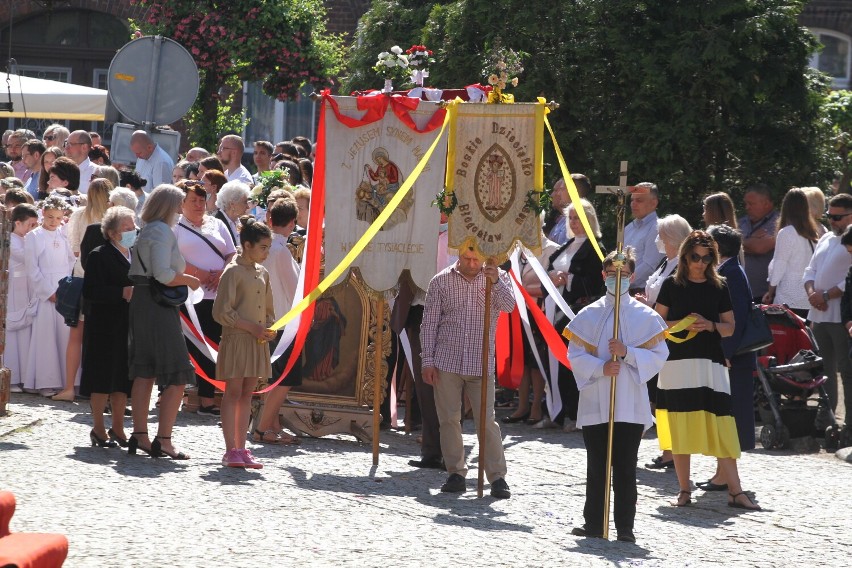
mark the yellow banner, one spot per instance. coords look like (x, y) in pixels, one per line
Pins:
(680, 326)
(371, 232)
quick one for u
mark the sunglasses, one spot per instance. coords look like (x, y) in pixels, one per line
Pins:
(50, 138)
(836, 218)
(706, 259)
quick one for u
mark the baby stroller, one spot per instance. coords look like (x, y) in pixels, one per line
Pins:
(790, 394)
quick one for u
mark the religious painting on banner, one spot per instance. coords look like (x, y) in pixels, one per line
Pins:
(367, 164)
(495, 161)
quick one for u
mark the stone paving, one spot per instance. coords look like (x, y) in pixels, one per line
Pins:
(323, 503)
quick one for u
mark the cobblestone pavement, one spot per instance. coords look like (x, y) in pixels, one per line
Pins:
(324, 503)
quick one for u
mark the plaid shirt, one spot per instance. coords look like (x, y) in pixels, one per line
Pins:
(451, 332)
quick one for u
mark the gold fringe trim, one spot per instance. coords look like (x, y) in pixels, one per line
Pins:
(585, 345)
(654, 341)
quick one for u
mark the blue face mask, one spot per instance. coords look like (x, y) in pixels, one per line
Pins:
(128, 238)
(442, 228)
(610, 284)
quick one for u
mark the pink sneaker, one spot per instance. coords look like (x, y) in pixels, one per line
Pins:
(249, 461)
(233, 458)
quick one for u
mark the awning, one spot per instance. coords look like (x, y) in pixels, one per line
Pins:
(52, 100)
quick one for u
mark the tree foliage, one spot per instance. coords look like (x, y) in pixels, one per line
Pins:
(282, 43)
(697, 96)
(839, 108)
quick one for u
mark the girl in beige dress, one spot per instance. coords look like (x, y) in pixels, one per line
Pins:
(244, 308)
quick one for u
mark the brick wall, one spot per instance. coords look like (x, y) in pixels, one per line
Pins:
(24, 8)
(343, 15)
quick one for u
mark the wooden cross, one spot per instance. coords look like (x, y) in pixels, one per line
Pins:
(620, 191)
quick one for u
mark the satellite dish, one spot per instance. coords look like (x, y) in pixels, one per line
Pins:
(153, 80)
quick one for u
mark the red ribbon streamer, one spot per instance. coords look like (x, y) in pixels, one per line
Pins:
(509, 347)
(376, 107)
(551, 337)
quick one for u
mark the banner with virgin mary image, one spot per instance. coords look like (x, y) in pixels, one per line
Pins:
(373, 144)
(495, 167)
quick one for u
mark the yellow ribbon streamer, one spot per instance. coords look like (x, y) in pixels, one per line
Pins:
(371, 232)
(676, 328)
(572, 191)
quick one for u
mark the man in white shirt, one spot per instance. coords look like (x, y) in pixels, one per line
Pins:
(825, 282)
(77, 148)
(230, 152)
(641, 352)
(153, 164)
(641, 233)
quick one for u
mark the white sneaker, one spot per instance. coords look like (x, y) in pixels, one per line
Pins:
(544, 423)
(569, 426)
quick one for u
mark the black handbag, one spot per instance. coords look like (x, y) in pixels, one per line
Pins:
(757, 334)
(169, 296)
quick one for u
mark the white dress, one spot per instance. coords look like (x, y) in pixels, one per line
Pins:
(48, 259)
(20, 310)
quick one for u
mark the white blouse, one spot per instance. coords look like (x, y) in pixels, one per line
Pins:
(656, 279)
(792, 256)
(563, 261)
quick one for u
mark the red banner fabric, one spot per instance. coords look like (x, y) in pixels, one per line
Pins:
(551, 336)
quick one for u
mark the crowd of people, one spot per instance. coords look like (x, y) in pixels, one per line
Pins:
(126, 234)
(92, 245)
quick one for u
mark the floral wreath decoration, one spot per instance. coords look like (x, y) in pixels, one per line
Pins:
(270, 181)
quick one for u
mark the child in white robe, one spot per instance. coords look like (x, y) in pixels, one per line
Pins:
(20, 304)
(48, 259)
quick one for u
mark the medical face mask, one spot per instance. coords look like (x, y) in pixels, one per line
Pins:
(661, 246)
(128, 238)
(610, 284)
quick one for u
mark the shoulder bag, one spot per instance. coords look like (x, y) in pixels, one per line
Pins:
(757, 334)
(169, 296)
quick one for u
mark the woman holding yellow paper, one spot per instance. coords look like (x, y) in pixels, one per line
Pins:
(694, 412)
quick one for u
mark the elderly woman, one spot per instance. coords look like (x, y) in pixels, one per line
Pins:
(207, 248)
(109, 173)
(233, 202)
(740, 367)
(157, 350)
(94, 237)
(694, 411)
(107, 290)
(97, 203)
(576, 270)
(671, 230)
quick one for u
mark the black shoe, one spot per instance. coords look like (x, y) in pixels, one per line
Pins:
(512, 419)
(626, 536)
(455, 484)
(208, 411)
(428, 463)
(500, 489)
(658, 463)
(581, 531)
(101, 443)
(710, 486)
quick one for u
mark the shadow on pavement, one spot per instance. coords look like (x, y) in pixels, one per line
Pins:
(5, 446)
(612, 550)
(233, 476)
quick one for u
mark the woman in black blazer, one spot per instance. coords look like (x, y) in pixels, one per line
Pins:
(107, 291)
(577, 271)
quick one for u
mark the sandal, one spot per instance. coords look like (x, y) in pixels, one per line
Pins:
(274, 438)
(679, 503)
(752, 506)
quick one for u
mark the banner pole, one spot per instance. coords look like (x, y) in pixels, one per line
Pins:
(486, 344)
(377, 378)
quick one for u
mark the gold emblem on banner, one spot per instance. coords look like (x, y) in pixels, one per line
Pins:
(494, 183)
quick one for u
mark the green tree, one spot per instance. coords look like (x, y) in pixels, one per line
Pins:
(838, 106)
(282, 43)
(697, 96)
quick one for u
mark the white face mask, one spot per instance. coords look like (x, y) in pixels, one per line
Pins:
(661, 246)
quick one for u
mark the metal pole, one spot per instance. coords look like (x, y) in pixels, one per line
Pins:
(148, 125)
(486, 348)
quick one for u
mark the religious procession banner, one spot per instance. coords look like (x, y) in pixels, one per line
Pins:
(494, 167)
(373, 144)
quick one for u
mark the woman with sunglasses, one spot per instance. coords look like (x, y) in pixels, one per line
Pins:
(694, 411)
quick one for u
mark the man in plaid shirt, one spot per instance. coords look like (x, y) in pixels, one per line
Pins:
(451, 335)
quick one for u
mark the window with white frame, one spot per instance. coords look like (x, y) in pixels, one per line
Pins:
(834, 58)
